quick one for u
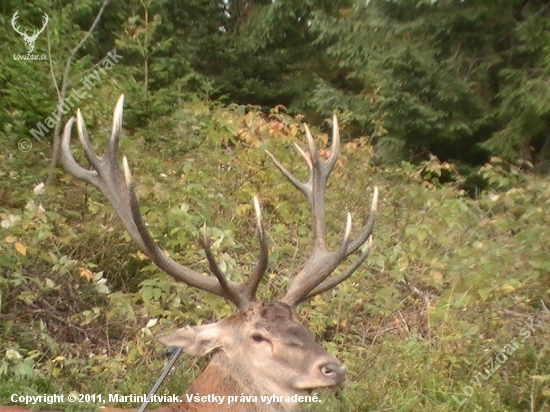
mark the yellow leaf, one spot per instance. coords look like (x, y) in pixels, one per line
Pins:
(318, 300)
(403, 263)
(9, 239)
(437, 276)
(21, 249)
(86, 274)
(506, 288)
(58, 359)
(242, 209)
(13, 354)
(141, 255)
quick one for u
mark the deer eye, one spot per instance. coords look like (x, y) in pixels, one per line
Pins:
(257, 337)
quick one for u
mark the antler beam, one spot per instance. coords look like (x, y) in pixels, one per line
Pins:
(312, 278)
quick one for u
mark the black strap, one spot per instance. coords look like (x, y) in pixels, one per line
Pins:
(174, 352)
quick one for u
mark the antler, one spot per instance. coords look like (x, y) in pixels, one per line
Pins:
(35, 33)
(14, 22)
(119, 191)
(45, 18)
(312, 278)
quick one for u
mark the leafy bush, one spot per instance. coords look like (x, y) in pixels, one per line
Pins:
(451, 280)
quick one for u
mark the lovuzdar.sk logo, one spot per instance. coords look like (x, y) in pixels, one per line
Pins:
(29, 39)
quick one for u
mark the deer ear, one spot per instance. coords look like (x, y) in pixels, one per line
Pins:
(195, 340)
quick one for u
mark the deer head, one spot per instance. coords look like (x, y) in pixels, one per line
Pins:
(29, 40)
(262, 349)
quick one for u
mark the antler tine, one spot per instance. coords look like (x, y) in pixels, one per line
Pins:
(67, 159)
(105, 175)
(336, 280)
(111, 151)
(46, 18)
(253, 281)
(311, 279)
(229, 292)
(291, 178)
(86, 144)
(245, 292)
(366, 231)
(14, 22)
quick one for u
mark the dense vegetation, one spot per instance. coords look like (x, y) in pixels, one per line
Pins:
(444, 105)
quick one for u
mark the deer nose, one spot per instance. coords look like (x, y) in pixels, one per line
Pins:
(334, 371)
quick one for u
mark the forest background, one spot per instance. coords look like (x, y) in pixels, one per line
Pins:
(445, 105)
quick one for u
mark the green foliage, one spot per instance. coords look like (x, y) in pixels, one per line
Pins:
(391, 80)
(525, 94)
(459, 80)
(23, 87)
(451, 278)
(456, 79)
